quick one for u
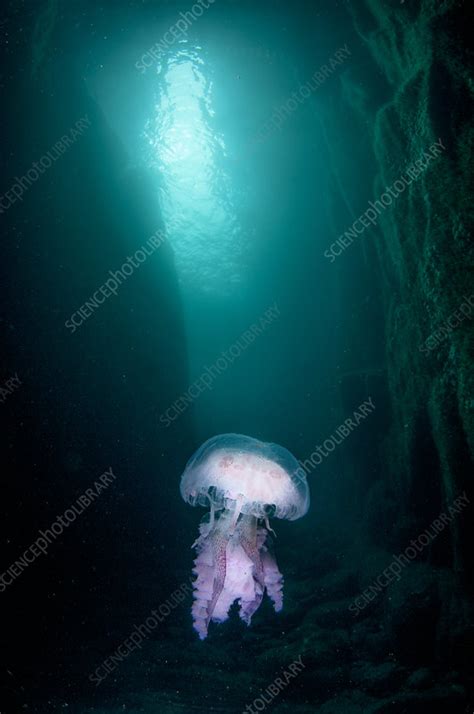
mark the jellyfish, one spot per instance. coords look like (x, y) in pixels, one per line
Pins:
(244, 482)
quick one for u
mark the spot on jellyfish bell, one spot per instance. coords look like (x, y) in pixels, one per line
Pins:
(243, 482)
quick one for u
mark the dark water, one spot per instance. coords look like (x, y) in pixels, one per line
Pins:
(237, 217)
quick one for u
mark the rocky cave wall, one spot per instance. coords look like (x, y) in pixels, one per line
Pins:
(412, 88)
(424, 250)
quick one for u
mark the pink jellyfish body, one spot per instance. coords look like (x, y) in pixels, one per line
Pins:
(244, 482)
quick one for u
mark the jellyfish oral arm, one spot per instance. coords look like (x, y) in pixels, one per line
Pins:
(233, 563)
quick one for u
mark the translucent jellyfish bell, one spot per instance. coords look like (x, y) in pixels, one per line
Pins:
(264, 477)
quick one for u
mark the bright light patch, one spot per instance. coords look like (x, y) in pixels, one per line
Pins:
(195, 198)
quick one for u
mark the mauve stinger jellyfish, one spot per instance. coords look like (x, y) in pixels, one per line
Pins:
(244, 482)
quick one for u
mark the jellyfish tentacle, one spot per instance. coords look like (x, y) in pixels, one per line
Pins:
(223, 531)
(219, 547)
(236, 514)
(248, 541)
(205, 528)
(249, 607)
(272, 575)
(212, 513)
(210, 569)
(268, 526)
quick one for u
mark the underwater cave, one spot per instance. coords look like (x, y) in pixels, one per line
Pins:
(238, 276)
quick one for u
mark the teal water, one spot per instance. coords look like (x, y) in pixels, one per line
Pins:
(187, 266)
